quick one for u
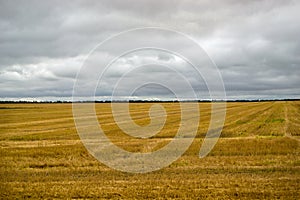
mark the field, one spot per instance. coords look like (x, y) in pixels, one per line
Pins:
(257, 156)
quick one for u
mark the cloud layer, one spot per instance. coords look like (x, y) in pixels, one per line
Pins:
(255, 44)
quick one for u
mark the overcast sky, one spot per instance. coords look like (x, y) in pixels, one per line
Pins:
(255, 44)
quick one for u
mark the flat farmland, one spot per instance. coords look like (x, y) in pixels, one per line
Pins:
(257, 156)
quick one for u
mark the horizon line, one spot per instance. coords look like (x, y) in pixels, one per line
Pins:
(149, 100)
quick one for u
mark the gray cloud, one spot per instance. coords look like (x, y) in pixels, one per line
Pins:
(255, 44)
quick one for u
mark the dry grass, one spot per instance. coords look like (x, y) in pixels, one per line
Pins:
(42, 156)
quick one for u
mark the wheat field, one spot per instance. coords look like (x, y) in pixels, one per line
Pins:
(257, 156)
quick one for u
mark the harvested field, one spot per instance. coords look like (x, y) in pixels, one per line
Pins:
(257, 156)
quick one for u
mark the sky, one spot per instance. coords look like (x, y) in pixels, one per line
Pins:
(254, 44)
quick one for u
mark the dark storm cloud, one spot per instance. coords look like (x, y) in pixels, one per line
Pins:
(255, 44)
